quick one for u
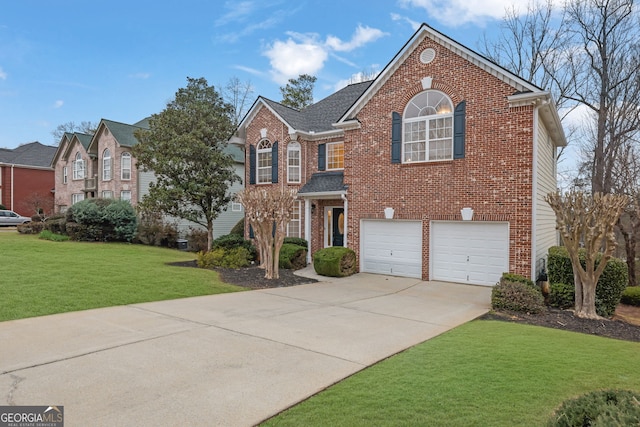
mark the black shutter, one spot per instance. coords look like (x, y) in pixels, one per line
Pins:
(274, 163)
(396, 138)
(252, 164)
(251, 233)
(322, 157)
(459, 130)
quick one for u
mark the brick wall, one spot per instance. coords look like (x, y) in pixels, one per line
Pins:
(494, 178)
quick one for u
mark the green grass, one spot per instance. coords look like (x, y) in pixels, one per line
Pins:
(484, 373)
(39, 277)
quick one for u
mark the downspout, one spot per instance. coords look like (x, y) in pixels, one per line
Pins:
(307, 227)
(346, 211)
(12, 185)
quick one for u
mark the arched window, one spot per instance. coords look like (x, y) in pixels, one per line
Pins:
(106, 165)
(428, 128)
(125, 166)
(78, 167)
(293, 162)
(264, 161)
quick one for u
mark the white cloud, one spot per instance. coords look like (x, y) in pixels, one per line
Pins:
(238, 11)
(362, 36)
(414, 24)
(3, 74)
(58, 104)
(307, 54)
(457, 12)
(143, 76)
(289, 59)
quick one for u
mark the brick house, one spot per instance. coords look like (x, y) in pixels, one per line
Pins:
(102, 165)
(26, 178)
(437, 169)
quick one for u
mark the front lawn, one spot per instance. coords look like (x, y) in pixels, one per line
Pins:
(39, 277)
(483, 373)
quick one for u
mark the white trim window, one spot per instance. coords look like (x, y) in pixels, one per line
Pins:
(293, 163)
(78, 167)
(77, 197)
(65, 174)
(106, 165)
(264, 154)
(125, 166)
(107, 194)
(428, 128)
(335, 155)
(294, 225)
(125, 195)
(236, 207)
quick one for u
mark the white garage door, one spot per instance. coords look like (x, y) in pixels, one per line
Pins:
(469, 252)
(391, 247)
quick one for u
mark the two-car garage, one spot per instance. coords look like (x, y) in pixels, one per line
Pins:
(471, 252)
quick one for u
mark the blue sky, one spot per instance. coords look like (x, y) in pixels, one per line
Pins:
(72, 61)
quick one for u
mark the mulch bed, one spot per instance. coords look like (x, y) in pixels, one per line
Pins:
(565, 320)
(253, 278)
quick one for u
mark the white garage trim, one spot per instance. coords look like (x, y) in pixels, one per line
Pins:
(391, 247)
(471, 252)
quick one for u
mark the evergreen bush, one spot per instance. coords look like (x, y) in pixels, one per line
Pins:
(562, 295)
(611, 284)
(601, 408)
(514, 294)
(631, 296)
(296, 241)
(225, 258)
(292, 256)
(336, 261)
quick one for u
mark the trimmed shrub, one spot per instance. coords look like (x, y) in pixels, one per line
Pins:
(197, 240)
(292, 257)
(599, 408)
(153, 231)
(48, 235)
(224, 258)
(562, 295)
(103, 220)
(611, 284)
(631, 296)
(516, 295)
(30, 227)
(296, 241)
(231, 241)
(56, 223)
(336, 261)
(512, 277)
(238, 228)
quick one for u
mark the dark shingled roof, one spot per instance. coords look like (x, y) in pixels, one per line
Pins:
(324, 182)
(320, 116)
(32, 154)
(123, 133)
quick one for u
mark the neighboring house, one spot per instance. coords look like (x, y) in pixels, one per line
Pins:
(437, 169)
(26, 178)
(102, 165)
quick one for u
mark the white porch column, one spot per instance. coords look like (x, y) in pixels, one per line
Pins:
(307, 227)
(346, 216)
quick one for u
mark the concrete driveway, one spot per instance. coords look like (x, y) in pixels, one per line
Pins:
(232, 359)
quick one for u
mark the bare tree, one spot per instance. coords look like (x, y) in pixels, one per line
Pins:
(39, 203)
(239, 95)
(588, 220)
(605, 65)
(268, 211)
(84, 127)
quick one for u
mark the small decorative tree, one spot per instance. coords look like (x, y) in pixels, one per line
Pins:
(268, 211)
(587, 221)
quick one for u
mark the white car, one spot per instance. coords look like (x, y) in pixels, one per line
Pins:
(11, 218)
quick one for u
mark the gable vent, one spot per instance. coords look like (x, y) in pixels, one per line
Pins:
(427, 55)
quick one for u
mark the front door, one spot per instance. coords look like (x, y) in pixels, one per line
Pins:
(334, 234)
